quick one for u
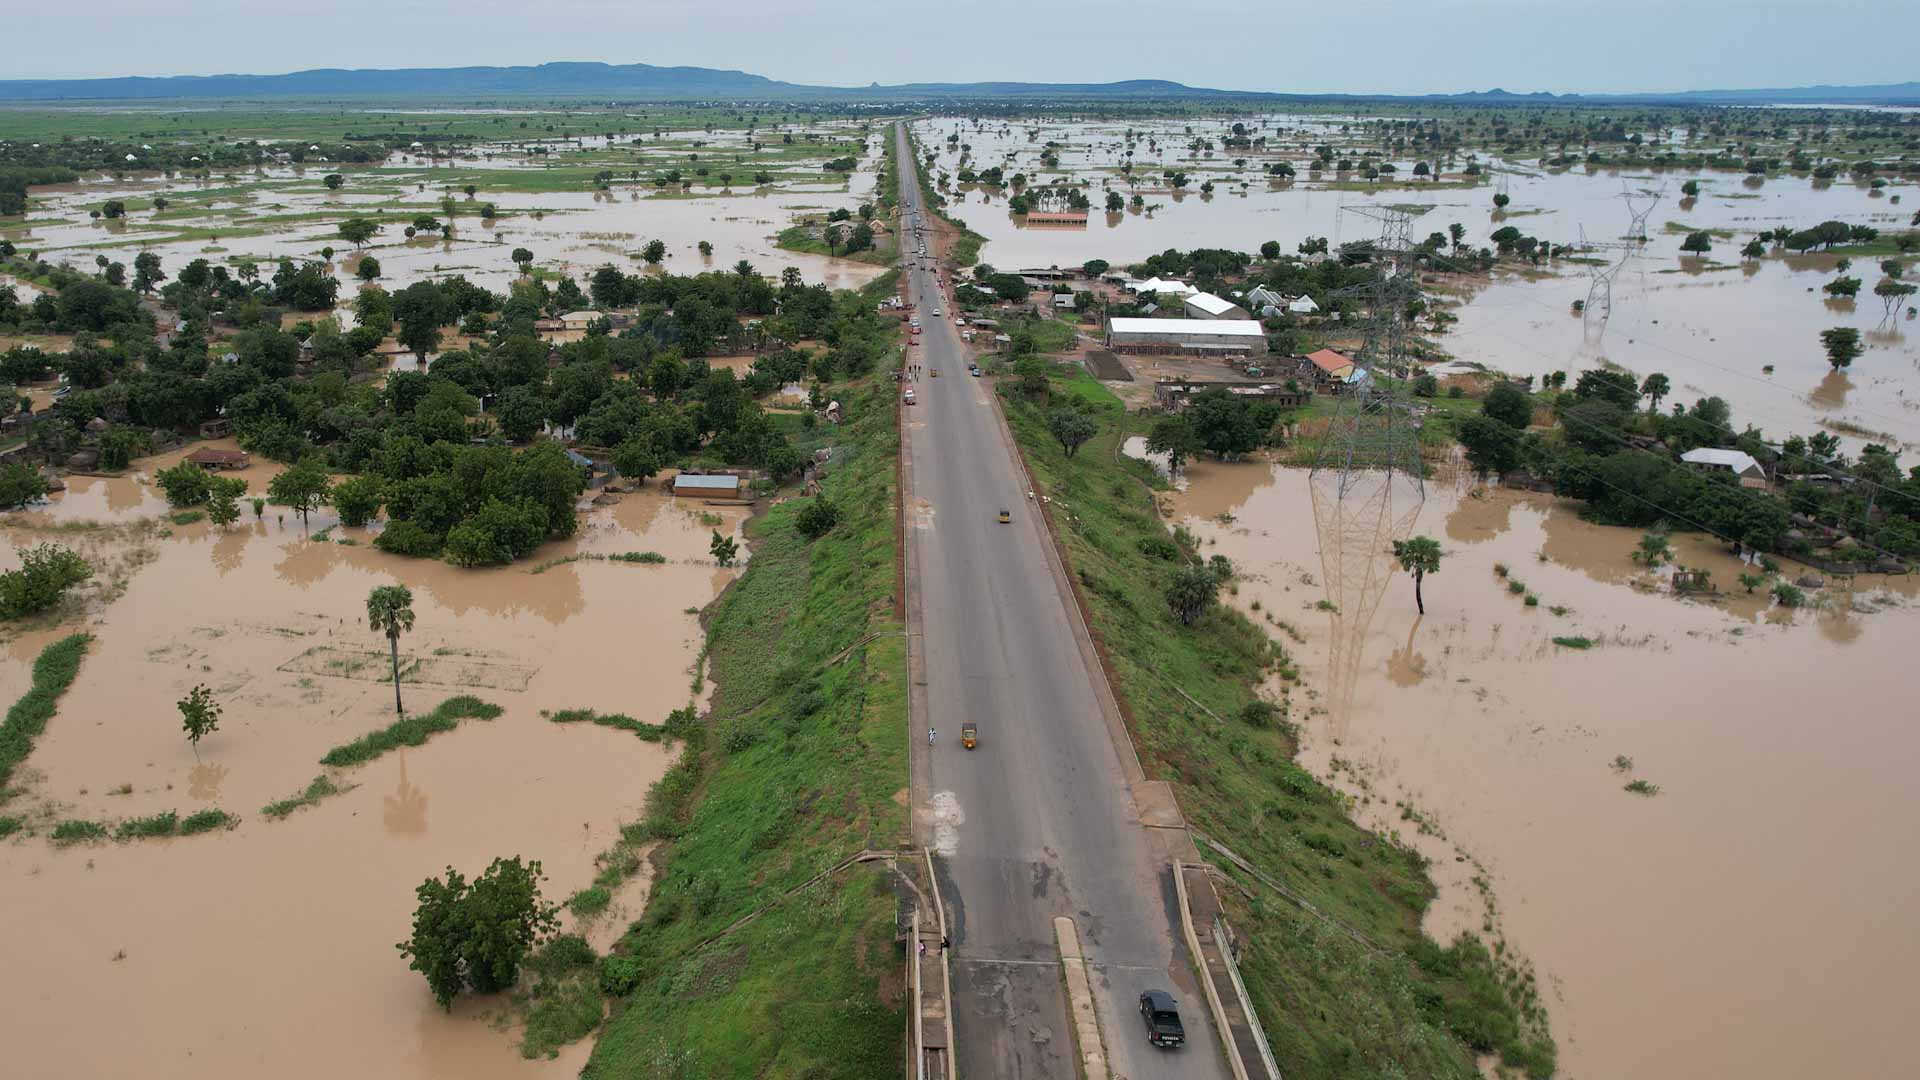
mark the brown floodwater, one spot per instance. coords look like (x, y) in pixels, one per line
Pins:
(1750, 919)
(271, 946)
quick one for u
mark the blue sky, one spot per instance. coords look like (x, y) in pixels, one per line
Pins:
(1378, 46)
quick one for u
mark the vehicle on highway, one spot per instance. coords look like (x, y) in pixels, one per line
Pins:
(936, 313)
(1162, 1015)
(1006, 515)
(935, 372)
(969, 735)
(909, 397)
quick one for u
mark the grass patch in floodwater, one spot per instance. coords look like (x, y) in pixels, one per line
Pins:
(1400, 1004)
(650, 558)
(1574, 642)
(53, 672)
(411, 730)
(322, 787)
(796, 769)
(649, 732)
(152, 827)
(565, 1002)
(1643, 787)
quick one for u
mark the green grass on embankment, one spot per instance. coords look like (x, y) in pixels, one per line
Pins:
(1332, 1007)
(798, 768)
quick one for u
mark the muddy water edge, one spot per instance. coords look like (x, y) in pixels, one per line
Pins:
(273, 942)
(1743, 920)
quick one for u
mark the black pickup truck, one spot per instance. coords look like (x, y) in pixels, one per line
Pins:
(1157, 1008)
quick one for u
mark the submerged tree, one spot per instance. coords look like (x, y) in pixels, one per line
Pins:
(1419, 556)
(1842, 344)
(390, 612)
(199, 715)
(476, 935)
(723, 548)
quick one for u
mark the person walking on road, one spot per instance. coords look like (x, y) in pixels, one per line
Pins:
(929, 736)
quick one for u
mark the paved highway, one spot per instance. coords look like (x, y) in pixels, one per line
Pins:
(1039, 820)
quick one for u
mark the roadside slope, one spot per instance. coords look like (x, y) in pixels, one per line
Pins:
(1331, 1005)
(797, 767)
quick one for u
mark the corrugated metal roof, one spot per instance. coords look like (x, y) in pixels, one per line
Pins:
(1330, 362)
(1738, 460)
(714, 482)
(1209, 303)
(1208, 328)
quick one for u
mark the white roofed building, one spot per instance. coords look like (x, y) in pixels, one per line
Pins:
(1240, 337)
(1738, 462)
(1205, 305)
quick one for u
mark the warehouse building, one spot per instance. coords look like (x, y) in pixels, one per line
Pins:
(1216, 337)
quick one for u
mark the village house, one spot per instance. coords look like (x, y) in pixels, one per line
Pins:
(1741, 464)
(212, 457)
(1205, 305)
(1327, 369)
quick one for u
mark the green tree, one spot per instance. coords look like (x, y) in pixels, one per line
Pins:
(1419, 556)
(654, 252)
(185, 484)
(1690, 189)
(1175, 437)
(357, 499)
(223, 507)
(333, 180)
(1842, 344)
(1843, 287)
(20, 484)
(1071, 427)
(1754, 249)
(1510, 405)
(390, 612)
(1653, 550)
(817, 518)
(1698, 243)
(1492, 448)
(147, 272)
(477, 935)
(1653, 388)
(523, 259)
(46, 573)
(303, 488)
(368, 268)
(357, 231)
(723, 548)
(199, 715)
(1193, 590)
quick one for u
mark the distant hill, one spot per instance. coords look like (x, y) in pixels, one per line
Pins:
(648, 82)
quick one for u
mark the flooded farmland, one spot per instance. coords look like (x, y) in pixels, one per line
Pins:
(286, 211)
(1745, 330)
(273, 943)
(1744, 919)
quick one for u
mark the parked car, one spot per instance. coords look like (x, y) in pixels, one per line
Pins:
(1162, 1016)
(909, 397)
(973, 370)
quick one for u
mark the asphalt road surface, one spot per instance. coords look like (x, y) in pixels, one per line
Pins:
(1038, 820)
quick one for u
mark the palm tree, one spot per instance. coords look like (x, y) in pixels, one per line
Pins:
(1419, 556)
(390, 611)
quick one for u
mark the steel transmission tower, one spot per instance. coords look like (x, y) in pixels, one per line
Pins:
(1640, 203)
(1373, 427)
(1366, 482)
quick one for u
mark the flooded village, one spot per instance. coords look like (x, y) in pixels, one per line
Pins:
(578, 377)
